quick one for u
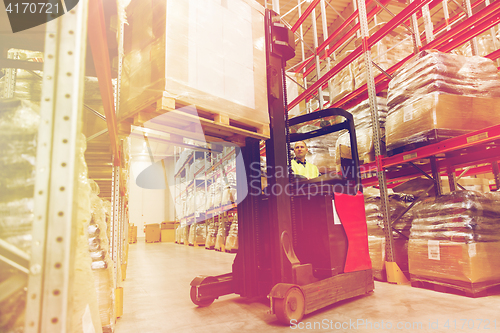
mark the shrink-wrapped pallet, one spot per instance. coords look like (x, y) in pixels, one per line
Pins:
(455, 239)
(102, 265)
(222, 232)
(18, 133)
(232, 236)
(212, 230)
(85, 308)
(390, 50)
(364, 132)
(441, 92)
(376, 235)
(204, 53)
(342, 83)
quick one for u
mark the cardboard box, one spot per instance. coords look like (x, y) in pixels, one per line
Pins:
(441, 111)
(168, 225)
(168, 235)
(152, 233)
(199, 52)
(132, 234)
(446, 260)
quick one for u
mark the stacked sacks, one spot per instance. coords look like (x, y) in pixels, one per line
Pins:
(18, 132)
(102, 265)
(437, 91)
(455, 238)
(364, 132)
(84, 296)
(376, 236)
(232, 237)
(212, 230)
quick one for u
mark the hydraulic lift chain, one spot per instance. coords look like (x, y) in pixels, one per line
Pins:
(289, 155)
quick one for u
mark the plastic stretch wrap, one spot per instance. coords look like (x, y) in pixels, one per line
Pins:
(84, 293)
(222, 233)
(204, 53)
(212, 230)
(485, 45)
(341, 84)
(441, 91)
(18, 132)
(195, 167)
(102, 265)
(364, 133)
(201, 199)
(460, 216)
(200, 234)
(390, 50)
(376, 237)
(218, 192)
(232, 236)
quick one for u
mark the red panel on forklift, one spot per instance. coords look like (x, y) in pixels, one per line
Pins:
(351, 211)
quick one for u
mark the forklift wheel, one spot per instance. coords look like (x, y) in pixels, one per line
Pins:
(292, 306)
(202, 301)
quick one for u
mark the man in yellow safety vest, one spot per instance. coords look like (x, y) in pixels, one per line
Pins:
(299, 164)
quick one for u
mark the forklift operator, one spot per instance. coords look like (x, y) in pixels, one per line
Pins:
(299, 164)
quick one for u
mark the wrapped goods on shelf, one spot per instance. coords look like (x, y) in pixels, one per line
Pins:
(218, 192)
(201, 53)
(376, 236)
(102, 265)
(200, 235)
(449, 93)
(29, 86)
(364, 132)
(192, 233)
(196, 167)
(390, 50)
(222, 232)
(84, 296)
(19, 122)
(232, 236)
(212, 230)
(486, 44)
(200, 199)
(342, 83)
(460, 216)
(456, 237)
(18, 129)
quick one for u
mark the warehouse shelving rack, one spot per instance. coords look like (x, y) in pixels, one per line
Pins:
(448, 155)
(48, 271)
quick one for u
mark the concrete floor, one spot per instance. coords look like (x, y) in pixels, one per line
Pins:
(156, 299)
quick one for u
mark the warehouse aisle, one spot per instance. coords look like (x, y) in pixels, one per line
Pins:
(156, 299)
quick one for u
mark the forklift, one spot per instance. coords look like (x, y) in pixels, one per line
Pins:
(302, 243)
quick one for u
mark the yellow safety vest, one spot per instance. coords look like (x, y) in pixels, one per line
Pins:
(308, 170)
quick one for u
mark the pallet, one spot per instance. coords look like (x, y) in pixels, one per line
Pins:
(210, 248)
(456, 287)
(182, 121)
(422, 139)
(232, 250)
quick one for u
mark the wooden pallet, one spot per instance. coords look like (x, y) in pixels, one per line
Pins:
(422, 139)
(180, 121)
(462, 288)
(232, 250)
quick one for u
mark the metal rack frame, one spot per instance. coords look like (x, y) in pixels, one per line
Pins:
(445, 38)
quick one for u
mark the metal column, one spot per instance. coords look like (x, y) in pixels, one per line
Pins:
(115, 217)
(316, 57)
(389, 245)
(55, 211)
(473, 41)
(429, 29)
(10, 77)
